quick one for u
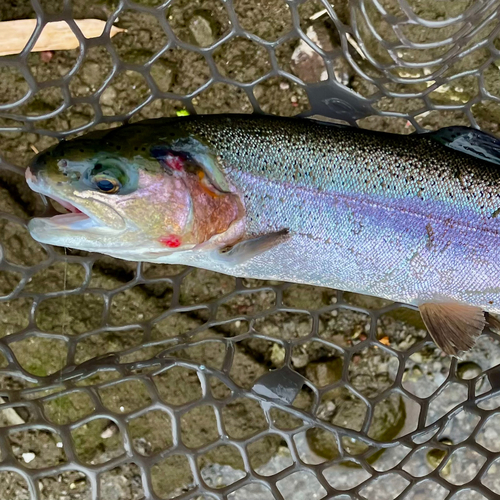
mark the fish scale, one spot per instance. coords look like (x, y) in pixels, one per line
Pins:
(401, 217)
(340, 159)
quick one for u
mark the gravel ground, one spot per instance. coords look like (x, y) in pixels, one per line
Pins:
(205, 311)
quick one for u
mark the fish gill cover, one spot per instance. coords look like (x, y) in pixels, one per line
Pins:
(125, 381)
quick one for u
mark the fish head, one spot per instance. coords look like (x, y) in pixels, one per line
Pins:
(137, 202)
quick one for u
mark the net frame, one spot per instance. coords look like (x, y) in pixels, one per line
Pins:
(278, 388)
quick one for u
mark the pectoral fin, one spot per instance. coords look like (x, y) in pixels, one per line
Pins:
(453, 327)
(246, 249)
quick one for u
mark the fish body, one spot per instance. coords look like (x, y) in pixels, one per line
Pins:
(412, 218)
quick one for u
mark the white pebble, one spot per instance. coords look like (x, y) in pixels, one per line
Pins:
(108, 432)
(28, 457)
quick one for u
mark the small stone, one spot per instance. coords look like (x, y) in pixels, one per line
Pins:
(107, 110)
(300, 360)
(31, 138)
(82, 90)
(142, 446)
(201, 30)
(108, 96)
(90, 72)
(284, 85)
(326, 411)
(417, 357)
(277, 354)
(468, 370)
(163, 75)
(46, 56)
(357, 331)
(325, 373)
(63, 70)
(28, 457)
(109, 431)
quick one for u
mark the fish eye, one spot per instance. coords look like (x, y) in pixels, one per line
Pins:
(108, 175)
(107, 184)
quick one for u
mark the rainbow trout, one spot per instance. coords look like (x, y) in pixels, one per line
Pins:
(413, 219)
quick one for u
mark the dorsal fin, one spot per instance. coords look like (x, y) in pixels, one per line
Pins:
(470, 141)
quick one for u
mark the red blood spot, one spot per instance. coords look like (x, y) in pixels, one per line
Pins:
(171, 241)
(174, 162)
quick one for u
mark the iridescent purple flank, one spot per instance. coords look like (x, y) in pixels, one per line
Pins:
(400, 217)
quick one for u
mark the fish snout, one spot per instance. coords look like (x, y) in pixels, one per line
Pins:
(37, 164)
(33, 174)
(30, 177)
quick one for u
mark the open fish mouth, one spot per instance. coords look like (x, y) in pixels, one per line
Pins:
(77, 219)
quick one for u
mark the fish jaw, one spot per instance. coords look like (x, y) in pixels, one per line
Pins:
(78, 227)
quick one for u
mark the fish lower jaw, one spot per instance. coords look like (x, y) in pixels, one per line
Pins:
(70, 230)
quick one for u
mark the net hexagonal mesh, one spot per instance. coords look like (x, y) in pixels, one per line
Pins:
(124, 381)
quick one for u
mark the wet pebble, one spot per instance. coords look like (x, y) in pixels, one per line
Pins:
(201, 30)
(108, 96)
(468, 370)
(325, 373)
(90, 73)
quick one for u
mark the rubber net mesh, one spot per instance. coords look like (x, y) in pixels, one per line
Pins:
(122, 381)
